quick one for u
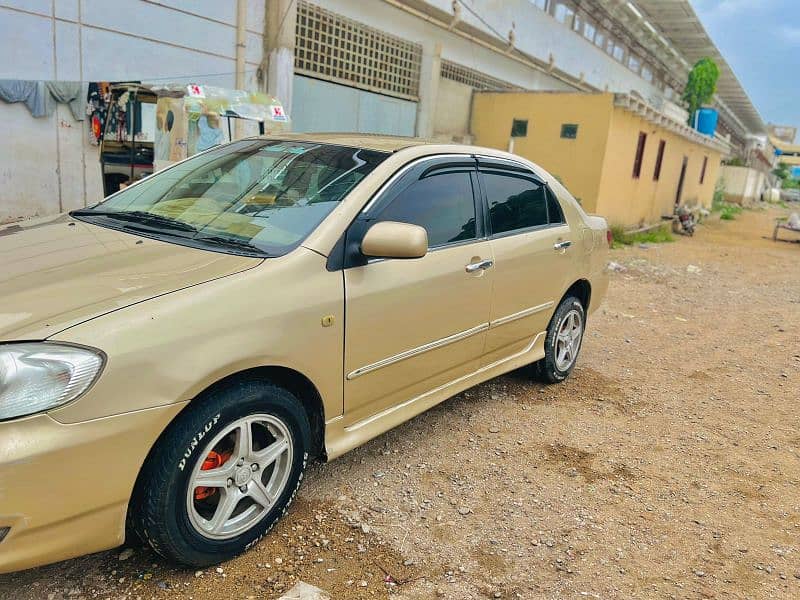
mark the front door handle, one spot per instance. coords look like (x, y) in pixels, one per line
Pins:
(562, 245)
(478, 266)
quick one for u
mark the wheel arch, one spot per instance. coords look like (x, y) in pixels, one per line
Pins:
(295, 382)
(582, 290)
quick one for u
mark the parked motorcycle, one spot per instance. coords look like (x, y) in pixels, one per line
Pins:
(685, 219)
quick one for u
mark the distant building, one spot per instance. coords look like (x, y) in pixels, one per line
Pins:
(407, 67)
(788, 154)
(786, 151)
(624, 159)
(782, 133)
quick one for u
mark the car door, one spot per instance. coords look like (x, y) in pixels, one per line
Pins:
(413, 325)
(531, 251)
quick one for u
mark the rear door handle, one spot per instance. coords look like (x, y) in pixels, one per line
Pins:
(478, 266)
(562, 245)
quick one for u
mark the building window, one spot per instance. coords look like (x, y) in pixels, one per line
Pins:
(577, 23)
(519, 127)
(659, 160)
(540, 4)
(589, 31)
(336, 48)
(600, 39)
(634, 64)
(569, 131)
(473, 78)
(564, 14)
(615, 50)
(637, 163)
(647, 74)
(703, 170)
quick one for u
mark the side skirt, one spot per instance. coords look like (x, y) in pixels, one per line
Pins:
(340, 439)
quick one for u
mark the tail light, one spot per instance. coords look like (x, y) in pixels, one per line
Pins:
(609, 237)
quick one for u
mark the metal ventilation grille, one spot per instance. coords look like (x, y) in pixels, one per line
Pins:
(473, 78)
(335, 48)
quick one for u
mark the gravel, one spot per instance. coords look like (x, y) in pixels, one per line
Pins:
(667, 466)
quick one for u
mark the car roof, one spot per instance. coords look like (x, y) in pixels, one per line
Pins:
(383, 143)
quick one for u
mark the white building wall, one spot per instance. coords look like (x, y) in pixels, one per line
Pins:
(384, 16)
(538, 34)
(47, 164)
(742, 185)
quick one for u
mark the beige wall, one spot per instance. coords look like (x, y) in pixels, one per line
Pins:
(577, 162)
(628, 201)
(742, 184)
(453, 104)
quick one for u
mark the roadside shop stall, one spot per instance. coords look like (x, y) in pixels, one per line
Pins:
(149, 127)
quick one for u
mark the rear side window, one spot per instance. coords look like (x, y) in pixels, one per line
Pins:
(442, 203)
(554, 212)
(515, 202)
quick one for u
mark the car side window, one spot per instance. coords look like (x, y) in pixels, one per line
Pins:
(515, 202)
(442, 203)
(554, 212)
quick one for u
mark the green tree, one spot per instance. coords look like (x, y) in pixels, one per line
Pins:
(781, 171)
(701, 85)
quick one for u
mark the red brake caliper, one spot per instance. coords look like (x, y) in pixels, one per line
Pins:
(212, 461)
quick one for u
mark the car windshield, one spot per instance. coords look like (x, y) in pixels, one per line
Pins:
(256, 197)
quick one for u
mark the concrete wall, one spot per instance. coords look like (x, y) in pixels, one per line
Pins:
(628, 201)
(742, 185)
(577, 162)
(453, 111)
(47, 163)
(324, 106)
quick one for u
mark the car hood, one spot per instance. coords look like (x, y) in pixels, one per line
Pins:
(57, 272)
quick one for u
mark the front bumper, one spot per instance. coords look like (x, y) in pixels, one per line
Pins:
(64, 489)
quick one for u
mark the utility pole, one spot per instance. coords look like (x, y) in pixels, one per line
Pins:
(277, 66)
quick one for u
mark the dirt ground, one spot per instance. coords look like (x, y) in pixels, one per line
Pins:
(667, 467)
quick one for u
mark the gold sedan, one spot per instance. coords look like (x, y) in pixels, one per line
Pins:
(171, 358)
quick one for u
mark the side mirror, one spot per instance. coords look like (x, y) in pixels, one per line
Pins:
(390, 239)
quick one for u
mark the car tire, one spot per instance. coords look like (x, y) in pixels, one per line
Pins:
(569, 317)
(178, 518)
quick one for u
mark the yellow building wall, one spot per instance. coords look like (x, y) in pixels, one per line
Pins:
(597, 166)
(577, 162)
(628, 201)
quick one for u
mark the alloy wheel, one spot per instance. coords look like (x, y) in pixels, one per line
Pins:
(568, 340)
(242, 475)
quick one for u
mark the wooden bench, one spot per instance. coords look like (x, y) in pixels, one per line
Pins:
(783, 223)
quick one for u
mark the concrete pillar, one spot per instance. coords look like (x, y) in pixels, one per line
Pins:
(428, 89)
(280, 20)
(241, 48)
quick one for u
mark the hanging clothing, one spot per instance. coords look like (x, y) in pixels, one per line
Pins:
(97, 98)
(209, 136)
(41, 97)
(33, 93)
(69, 92)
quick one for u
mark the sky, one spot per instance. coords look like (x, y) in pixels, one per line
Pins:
(760, 39)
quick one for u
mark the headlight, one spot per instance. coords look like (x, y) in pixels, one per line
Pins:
(38, 376)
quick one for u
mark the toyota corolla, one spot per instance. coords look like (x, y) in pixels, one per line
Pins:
(171, 358)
